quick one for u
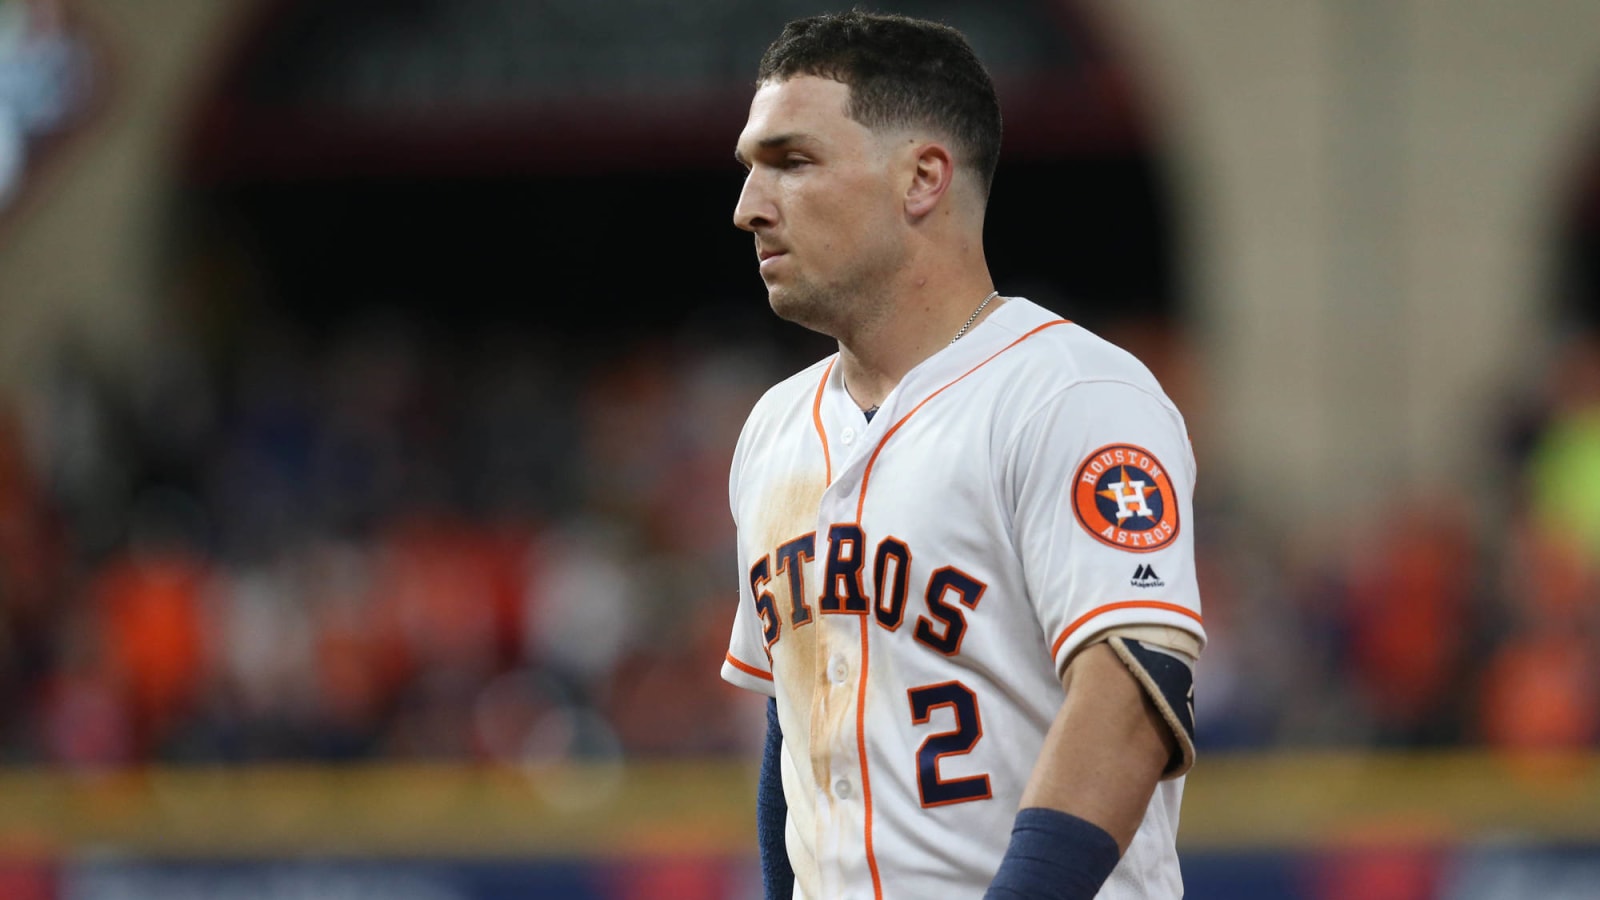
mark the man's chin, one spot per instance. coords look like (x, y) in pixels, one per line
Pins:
(797, 307)
(781, 300)
(786, 305)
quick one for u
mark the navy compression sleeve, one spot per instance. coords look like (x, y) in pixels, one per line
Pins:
(1054, 856)
(771, 812)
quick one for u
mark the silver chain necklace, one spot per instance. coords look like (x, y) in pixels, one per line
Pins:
(970, 319)
(974, 317)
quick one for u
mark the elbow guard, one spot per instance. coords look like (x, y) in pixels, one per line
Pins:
(1168, 680)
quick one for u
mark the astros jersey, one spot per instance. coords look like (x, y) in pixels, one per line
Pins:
(912, 588)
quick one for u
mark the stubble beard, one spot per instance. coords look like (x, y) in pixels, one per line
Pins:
(811, 305)
(841, 308)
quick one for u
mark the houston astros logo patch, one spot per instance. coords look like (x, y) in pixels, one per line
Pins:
(1122, 496)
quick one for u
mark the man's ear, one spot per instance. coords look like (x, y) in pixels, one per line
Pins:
(932, 173)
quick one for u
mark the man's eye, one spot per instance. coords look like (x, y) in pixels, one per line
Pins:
(793, 162)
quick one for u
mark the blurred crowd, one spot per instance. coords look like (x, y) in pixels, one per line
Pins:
(378, 546)
(390, 545)
(1465, 616)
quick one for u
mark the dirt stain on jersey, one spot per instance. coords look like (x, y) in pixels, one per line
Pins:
(800, 655)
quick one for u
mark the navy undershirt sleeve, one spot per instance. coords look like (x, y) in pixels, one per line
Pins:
(1054, 856)
(771, 812)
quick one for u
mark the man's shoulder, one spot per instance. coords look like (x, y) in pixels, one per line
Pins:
(797, 392)
(799, 388)
(1066, 354)
(784, 408)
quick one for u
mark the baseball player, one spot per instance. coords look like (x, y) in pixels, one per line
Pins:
(965, 541)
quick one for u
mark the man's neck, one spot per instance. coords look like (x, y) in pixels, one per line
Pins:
(875, 358)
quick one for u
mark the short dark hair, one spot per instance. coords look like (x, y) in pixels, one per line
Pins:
(901, 71)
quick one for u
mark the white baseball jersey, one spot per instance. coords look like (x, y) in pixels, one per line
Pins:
(911, 589)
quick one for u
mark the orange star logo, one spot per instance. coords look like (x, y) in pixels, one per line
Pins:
(1129, 493)
(1123, 496)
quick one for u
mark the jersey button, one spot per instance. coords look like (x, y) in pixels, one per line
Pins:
(848, 436)
(842, 789)
(838, 669)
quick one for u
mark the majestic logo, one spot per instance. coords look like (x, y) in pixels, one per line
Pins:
(1146, 577)
(1123, 497)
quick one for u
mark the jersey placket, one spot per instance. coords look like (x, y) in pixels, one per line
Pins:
(843, 658)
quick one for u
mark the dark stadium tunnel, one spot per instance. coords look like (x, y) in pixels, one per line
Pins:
(477, 166)
(653, 251)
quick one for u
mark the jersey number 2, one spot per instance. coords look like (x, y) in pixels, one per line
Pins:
(963, 704)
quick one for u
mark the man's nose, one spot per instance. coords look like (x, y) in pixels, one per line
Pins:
(754, 209)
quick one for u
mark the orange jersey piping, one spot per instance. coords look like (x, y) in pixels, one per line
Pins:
(866, 779)
(747, 668)
(1113, 607)
(861, 500)
(866, 475)
(816, 419)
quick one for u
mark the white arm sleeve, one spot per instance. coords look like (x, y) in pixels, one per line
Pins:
(747, 663)
(1101, 478)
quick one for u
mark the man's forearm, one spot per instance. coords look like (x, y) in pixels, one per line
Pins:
(1106, 749)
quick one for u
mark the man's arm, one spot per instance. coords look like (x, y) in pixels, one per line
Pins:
(1090, 786)
(772, 812)
(1106, 749)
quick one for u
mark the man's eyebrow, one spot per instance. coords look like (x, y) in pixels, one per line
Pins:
(775, 142)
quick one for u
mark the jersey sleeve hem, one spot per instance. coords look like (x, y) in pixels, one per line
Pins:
(752, 678)
(1127, 612)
